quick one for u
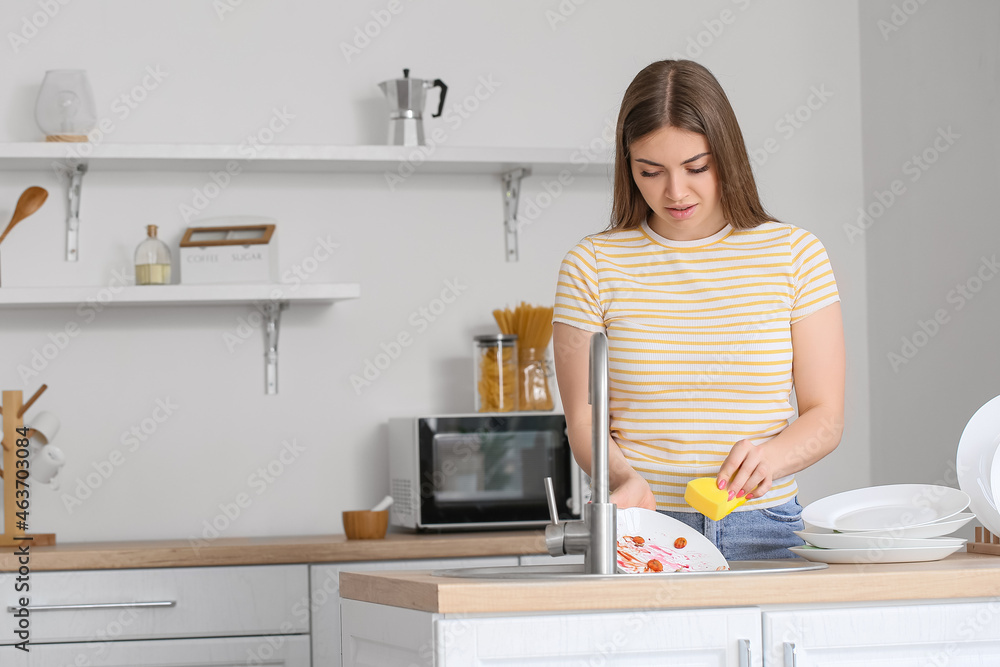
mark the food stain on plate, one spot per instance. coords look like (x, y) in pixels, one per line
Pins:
(636, 555)
(650, 542)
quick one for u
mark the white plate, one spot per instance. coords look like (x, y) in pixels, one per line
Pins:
(869, 541)
(995, 475)
(886, 507)
(675, 545)
(866, 556)
(936, 529)
(976, 461)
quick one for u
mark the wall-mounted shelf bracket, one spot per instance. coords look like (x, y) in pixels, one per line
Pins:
(272, 321)
(511, 196)
(76, 173)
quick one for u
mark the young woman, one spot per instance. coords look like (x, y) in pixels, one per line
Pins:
(713, 310)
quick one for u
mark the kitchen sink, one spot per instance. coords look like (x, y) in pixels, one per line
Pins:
(562, 571)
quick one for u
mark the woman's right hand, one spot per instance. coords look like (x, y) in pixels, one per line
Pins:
(634, 492)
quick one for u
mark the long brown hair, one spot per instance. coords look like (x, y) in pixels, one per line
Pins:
(684, 95)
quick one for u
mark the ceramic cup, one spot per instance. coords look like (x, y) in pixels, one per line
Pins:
(46, 464)
(47, 425)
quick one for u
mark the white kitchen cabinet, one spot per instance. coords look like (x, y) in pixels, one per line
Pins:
(929, 634)
(642, 638)
(274, 651)
(100, 605)
(376, 635)
(326, 602)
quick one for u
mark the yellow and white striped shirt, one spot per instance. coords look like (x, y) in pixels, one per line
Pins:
(699, 340)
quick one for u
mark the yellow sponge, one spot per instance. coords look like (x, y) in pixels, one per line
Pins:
(705, 496)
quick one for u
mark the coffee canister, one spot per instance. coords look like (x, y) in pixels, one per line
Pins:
(496, 375)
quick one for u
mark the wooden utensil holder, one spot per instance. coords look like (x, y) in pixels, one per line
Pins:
(13, 412)
(985, 543)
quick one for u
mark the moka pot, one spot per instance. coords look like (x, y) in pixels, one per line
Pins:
(406, 98)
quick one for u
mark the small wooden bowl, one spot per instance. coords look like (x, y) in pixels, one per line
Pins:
(366, 525)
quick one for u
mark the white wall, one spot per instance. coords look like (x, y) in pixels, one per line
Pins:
(929, 70)
(559, 84)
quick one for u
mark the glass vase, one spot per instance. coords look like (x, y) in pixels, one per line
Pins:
(65, 109)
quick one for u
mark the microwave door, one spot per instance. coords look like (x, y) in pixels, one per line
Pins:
(494, 477)
(473, 468)
(459, 468)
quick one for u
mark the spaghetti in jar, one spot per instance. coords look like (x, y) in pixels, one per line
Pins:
(496, 367)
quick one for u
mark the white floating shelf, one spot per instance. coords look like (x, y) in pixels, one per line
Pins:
(175, 295)
(271, 298)
(306, 158)
(399, 162)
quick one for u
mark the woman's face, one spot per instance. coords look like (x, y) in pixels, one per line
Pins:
(677, 176)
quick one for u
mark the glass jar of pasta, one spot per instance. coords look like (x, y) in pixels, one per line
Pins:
(495, 361)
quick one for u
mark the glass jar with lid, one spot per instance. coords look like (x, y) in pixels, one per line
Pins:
(496, 374)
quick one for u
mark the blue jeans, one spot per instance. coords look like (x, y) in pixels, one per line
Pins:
(753, 534)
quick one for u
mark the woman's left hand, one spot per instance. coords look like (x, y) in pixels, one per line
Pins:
(746, 471)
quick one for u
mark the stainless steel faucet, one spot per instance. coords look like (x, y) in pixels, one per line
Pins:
(596, 535)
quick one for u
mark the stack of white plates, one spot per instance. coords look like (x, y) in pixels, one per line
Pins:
(978, 464)
(899, 523)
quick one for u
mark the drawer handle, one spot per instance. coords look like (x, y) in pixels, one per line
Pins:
(743, 646)
(105, 605)
(791, 655)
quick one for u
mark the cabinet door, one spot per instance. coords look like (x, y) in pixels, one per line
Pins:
(686, 638)
(953, 634)
(325, 596)
(381, 636)
(274, 651)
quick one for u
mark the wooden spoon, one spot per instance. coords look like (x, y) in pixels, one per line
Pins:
(30, 201)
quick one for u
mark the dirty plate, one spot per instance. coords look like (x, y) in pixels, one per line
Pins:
(652, 542)
(865, 556)
(888, 507)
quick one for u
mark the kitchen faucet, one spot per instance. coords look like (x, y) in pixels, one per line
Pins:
(596, 535)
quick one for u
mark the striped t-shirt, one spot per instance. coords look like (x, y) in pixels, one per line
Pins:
(699, 341)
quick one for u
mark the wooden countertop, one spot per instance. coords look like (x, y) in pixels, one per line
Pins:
(961, 575)
(274, 550)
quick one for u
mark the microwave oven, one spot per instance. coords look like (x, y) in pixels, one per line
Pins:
(482, 471)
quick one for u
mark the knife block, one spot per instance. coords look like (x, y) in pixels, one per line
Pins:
(985, 543)
(13, 412)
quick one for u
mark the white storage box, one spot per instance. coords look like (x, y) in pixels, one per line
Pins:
(234, 250)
